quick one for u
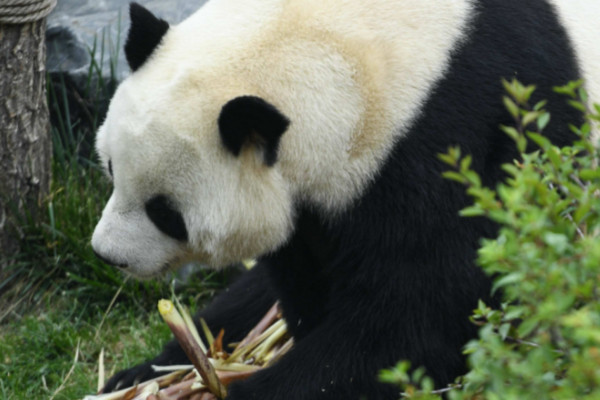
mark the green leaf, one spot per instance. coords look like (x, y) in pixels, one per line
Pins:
(447, 159)
(554, 157)
(563, 90)
(526, 94)
(527, 327)
(455, 176)
(514, 313)
(465, 163)
(577, 105)
(569, 89)
(454, 152)
(543, 121)
(540, 140)
(540, 105)
(512, 169)
(510, 87)
(583, 96)
(507, 280)
(511, 132)
(503, 330)
(557, 241)
(482, 307)
(521, 144)
(472, 178)
(573, 189)
(582, 211)
(512, 108)
(529, 117)
(589, 174)
(586, 129)
(473, 211)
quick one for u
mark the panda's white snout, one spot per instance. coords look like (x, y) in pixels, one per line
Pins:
(105, 260)
(127, 239)
(134, 247)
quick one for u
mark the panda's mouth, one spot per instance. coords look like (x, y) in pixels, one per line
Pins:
(173, 265)
(151, 270)
(146, 274)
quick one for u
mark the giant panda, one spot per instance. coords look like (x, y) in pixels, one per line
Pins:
(305, 134)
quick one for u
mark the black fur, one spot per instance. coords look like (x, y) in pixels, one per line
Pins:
(145, 34)
(251, 120)
(166, 218)
(394, 277)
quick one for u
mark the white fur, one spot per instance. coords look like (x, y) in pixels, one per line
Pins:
(333, 67)
(149, 156)
(350, 75)
(581, 18)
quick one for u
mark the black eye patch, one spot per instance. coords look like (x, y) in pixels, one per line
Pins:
(166, 218)
(110, 171)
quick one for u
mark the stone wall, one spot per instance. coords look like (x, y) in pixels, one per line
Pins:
(75, 24)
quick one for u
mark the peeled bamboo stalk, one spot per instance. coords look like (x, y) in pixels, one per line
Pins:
(261, 347)
(163, 381)
(269, 318)
(187, 339)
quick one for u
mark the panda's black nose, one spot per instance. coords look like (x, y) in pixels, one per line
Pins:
(107, 261)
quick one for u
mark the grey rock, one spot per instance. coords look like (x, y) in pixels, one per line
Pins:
(75, 25)
(65, 51)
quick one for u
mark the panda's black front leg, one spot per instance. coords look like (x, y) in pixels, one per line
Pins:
(375, 314)
(338, 360)
(236, 310)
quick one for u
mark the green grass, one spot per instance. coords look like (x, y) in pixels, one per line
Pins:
(54, 351)
(58, 299)
(38, 348)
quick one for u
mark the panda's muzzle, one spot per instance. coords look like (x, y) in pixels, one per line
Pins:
(109, 262)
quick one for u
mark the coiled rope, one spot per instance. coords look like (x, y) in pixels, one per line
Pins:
(24, 11)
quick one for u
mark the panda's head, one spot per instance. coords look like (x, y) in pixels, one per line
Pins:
(192, 165)
(243, 111)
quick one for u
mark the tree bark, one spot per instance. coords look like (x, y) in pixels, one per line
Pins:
(25, 143)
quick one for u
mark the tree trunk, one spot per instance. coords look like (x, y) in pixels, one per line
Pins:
(25, 144)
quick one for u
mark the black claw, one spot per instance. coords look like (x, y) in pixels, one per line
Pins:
(130, 377)
(172, 354)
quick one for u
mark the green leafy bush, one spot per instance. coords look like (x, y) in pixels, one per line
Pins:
(544, 341)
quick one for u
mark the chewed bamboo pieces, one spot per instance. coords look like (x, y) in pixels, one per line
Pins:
(212, 369)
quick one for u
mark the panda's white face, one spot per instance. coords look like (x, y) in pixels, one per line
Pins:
(349, 78)
(178, 192)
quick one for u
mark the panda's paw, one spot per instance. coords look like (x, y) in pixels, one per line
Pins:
(172, 354)
(130, 377)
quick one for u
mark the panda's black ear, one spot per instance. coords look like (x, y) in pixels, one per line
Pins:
(145, 33)
(250, 120)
